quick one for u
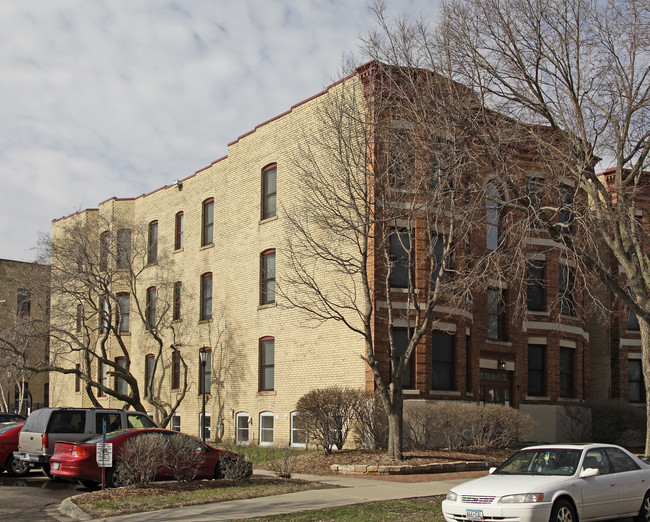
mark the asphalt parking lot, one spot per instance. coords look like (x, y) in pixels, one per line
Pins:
(34, 497)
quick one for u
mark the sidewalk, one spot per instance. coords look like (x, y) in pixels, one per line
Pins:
(350, 490)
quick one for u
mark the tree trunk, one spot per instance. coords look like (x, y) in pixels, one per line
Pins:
(396, 427)
(644, 329)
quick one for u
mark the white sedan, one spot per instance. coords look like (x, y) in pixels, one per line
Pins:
(556, 483)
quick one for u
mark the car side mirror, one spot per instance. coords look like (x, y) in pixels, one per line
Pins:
(589, 472)
(492, 470)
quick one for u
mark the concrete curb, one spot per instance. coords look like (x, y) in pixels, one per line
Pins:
(70, 509)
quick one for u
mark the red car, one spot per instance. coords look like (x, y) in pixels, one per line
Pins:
(78, 460)
(8, 444)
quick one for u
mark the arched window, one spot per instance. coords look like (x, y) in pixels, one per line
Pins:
(493, 217)
(267, 277)
(267, 363)
(178, 231)
(152, 247)
(207, 229)
(269, 187)
(267, 421)
(242, 433)
(149, 362)
(206, 297)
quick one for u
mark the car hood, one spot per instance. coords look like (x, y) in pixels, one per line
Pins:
(499, 485)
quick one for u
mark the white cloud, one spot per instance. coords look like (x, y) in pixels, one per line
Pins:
(117, 98)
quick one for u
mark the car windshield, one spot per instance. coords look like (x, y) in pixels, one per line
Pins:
(541, 461)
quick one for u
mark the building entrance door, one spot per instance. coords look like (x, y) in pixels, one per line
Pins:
(496, 387)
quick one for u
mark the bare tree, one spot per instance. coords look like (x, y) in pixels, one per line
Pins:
(104, 286)
(574, 78)
(379, 239)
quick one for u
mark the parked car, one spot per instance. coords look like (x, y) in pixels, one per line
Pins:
(8, 444)
(44, 427)
(11, 417)
(557, 483)
(78, 460)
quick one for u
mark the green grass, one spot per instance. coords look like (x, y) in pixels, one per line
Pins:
(414, 510)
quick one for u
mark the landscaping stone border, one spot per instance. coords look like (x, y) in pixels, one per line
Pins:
(434, 467)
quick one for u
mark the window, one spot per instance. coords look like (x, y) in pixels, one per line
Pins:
(298, 435)
(104, 314)
(102, 376)
(77, 378)
(80, 318)
(536, 369)
(567, 303)
(206, 297)
(205, 374)
(242, 434)
(152, 297)
(535, 286)
(401, 339)
(124, 306)
(266, 428)
(267, 359)
(178, 231)
(401, 158)
(632, 320)
(620, 460)
(400, 249)
(566, 372)
(635, 386)
(152, 250)
(565, 212)
(207, 426)
(534, 193)
(269, 187)
(495, 315)
(24, 302)
(104, 250)
(443, 361)
(493, 217)
(438, 250)
(207, 231)
(267, 277)
(177, 312)
(149, 362)
(176, 370)
(123, 248)
(176, 422)
(121, 385)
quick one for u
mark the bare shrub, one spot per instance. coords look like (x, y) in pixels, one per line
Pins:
(235, 468)
(184, 457)
(282, 461)
(142, 458)
(456, 425)
(327, 415)
(617, 422)
(418, 426)
(576, 423)
(371, 427)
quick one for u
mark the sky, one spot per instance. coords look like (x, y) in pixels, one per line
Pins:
(116, 98)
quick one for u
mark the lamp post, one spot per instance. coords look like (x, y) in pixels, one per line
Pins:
(203, 355)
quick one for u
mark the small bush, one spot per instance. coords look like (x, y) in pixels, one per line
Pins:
(235, 468)
(183, 457)
(142, 458)
(456, 425)
(327, 415)
(282, 461)
(371, 428)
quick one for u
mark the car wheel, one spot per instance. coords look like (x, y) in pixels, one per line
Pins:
(47, 472)
(90, 484)
(218, 470)
(114, 478)
(16, 467)
(563, 512)
(644, 512)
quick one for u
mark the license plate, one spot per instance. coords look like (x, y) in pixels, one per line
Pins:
(56, 465)
(474, 514)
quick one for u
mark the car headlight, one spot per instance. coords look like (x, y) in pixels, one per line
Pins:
(522, 497)
(452, 496)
